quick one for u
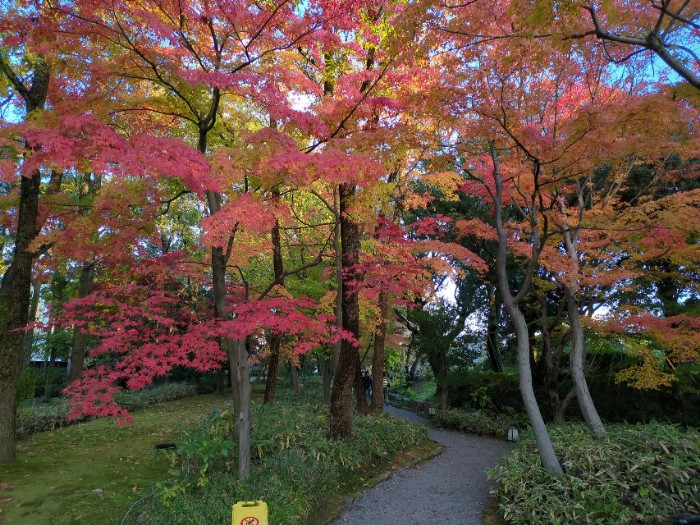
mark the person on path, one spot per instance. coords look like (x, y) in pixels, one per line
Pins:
(367, 381)
(386, 384)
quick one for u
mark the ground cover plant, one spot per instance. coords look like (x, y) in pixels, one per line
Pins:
(92, 472)
(297, 465)
(636, 474)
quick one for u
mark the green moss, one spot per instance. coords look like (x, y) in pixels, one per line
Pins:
(91, 473)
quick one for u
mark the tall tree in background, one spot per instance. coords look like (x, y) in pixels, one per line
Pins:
(15, 291)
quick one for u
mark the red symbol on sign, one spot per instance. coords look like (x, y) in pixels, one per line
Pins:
(250, 521)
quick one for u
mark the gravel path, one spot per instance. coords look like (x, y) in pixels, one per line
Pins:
(451, 489)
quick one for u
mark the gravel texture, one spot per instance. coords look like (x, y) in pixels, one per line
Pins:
(451, 489)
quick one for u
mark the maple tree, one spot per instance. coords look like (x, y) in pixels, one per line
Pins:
(554, 116)
(33, 89)
(188, 147)
(199, 68)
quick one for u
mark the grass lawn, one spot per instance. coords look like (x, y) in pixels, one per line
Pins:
(92, 472)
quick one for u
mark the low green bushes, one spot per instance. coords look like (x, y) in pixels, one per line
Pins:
(615, 402)
(479, 422)
(40, 417)
(637, 474)
(484, 390)
(420, 391)
(296, 464)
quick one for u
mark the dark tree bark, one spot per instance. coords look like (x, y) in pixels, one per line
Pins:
(342, 420)
(15, 290)
(325, 365)
(335, 352)
(492, 331)
(377, 405)
(236, 350)
(275, 340)
(33, 309)
(77, 358)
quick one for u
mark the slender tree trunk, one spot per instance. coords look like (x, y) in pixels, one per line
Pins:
(578, 340)
(342, 421)
(243, 394)
(33, 309)
(271, 382)
(539, 429)
(559, 406)
(335, 352)
(275, 340)
(294, 376)
(379, 351)
(325, 365)
(442, 388)
(492, 331)
(48, 373)
(577, 360)
(235, 349)
(220, 381)
(77, 358)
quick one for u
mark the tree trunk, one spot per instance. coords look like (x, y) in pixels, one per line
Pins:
(576, 360)
(325, 365)
(15, 290)
(492, 331)
(220, 381)
(335, 352)
(294, 377)
(442, 388)
(48, 372)
(15, 295)
(271, 382)
(559, 406)
(342, 422)
(33, 309)
(77, 357)
(359, 387)
(378, 357)
(242, 388)
(275, 340)
(539, 429)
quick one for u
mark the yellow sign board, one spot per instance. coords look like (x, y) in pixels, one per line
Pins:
(249, 513)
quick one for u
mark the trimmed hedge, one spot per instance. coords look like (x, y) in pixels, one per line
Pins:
(637, 474)
(616, 403)
(41, 417)
(479, 422)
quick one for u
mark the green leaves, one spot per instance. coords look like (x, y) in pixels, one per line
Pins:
(638, 474)
(297, 464)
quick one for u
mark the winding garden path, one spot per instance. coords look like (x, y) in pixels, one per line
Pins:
(451, 489)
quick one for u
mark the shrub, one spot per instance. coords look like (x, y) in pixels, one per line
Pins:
(41, 417)
(483, 390)
(416, 391)
(148, 397)
(479, 422)
(296, 464)
(637, 474)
